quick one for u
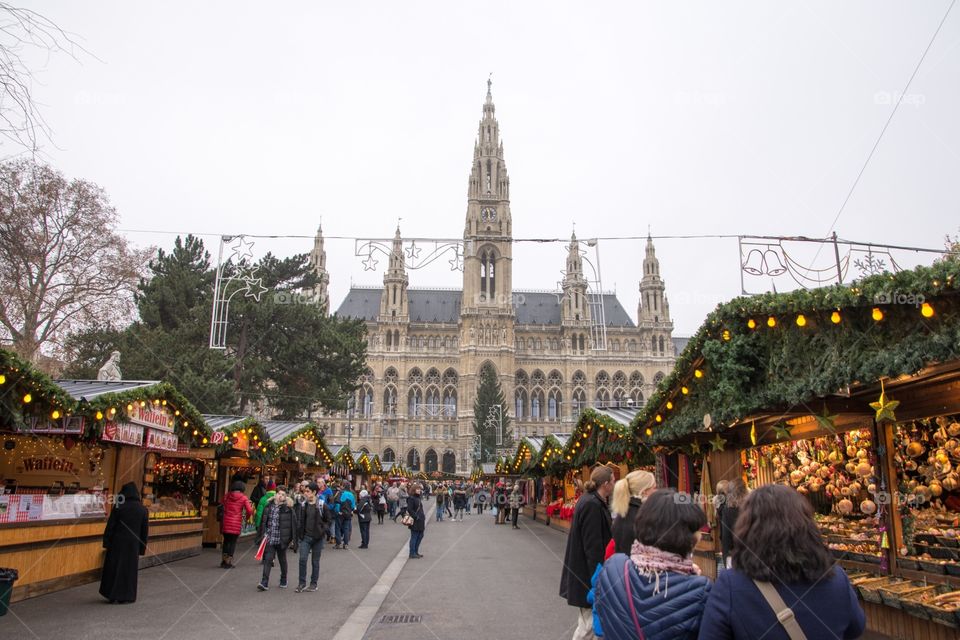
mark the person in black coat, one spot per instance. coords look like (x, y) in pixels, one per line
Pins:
(586, 545)
(125, 539)
(279, 525)
(736, 493)
(419, 526)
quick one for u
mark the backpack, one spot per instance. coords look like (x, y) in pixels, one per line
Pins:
(346, 509)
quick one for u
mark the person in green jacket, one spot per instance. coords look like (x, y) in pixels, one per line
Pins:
(264, 501)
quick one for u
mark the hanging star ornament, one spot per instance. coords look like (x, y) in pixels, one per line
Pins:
(370, 264)
(718, 443)
(695, 447)
(782, 430)
(242, 249)
(255, 289)
(826, 421)
(884, 406)
(413, 251)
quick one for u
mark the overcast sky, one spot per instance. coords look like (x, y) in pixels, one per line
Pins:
(685, 118)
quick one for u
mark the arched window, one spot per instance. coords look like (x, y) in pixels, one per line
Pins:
(450, 403)
(433, 402)
(657, 379)
(388, 456)
(603, 398)
(389, 338)
(579, 402)
(662, 350)
(430, 461)
(520, 401)
(581, 343)
(653, 343)
(414, 402)
(553, 405)
(413, 460)
(637, 396)
(367, 402)
(449, 464)
(390, 400)
(536, 403)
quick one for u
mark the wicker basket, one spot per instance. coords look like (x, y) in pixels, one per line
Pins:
(931, 566)
(911, 603)
(869, 589)
(946, 617)
(893, 591)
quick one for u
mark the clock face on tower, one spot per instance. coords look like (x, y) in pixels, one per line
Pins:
(488, 214)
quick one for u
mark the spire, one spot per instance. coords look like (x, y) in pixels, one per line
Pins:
(653, 305)
(318, 264)
(488, 178)
(396, 256)
(393, 301)
(574, 309)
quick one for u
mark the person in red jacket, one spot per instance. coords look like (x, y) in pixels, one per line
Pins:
(236, 509)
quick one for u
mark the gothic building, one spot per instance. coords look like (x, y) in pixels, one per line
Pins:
(552, 352)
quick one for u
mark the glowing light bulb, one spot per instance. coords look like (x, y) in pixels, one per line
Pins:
(801, 320)
(926, 310)
(771, 322)
(877, 314)
(835, 317)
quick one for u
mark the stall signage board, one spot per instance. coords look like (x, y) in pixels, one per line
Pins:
(149, 416)
(161, 440)
(70, 424)
(216, 437)
(240, 441)
(303, 445)
(123, 433)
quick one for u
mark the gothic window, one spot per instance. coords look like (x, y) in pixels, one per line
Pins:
(415, 376)
(619, 379)
(413, 460)
(530, 344)
(554, 344)
(390, 375)
(579, 402)
(433, 376)
(536, 402)
(637, 396)
(521, 378)
(603, 398)
(414, 402)
(619, 395)
(390, 400)
(581, 343)
(433, 402)
(450, 403)
(662, 350)
(579, 379)
(388, 456)
(603, 379)
(449, 462)
(539, 345)
(367, 401)
(520, 398)
(615, 345)
(430, 461)
(553, 405)
(489, 176)
(636, 380)
(450, 377)
(389, 338)
(555, 379)
(657, 379)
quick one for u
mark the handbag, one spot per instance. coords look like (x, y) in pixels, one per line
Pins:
(784, 613)
(407, 520)
(633, 610)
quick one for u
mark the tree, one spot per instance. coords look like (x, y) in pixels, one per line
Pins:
(951, 248)
(490, 395)
(63, 265)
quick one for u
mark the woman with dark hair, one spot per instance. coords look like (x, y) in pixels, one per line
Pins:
(414, 509)
(236, 509)
(656, 591)
(781, 571)
(125, 539)
(735, 492)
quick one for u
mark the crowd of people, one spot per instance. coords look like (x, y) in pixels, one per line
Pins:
(628, 566)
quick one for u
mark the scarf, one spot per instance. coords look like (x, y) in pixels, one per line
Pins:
(273, 527)
(651, 562)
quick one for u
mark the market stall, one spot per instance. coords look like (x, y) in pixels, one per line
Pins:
(854, 400)
(67, 448)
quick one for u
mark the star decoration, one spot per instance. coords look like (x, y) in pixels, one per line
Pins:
(884, 406)
(826, 421)
(413, 251)
(695, 448)
(370, 264)
(242, 249)
(718, 443)
(255, 289)
(455, 262)
(782, 430)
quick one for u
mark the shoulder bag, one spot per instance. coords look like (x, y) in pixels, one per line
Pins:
(633, 609)
(784, 613)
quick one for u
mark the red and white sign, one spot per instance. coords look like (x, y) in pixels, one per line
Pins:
(216, 437)
(161, 440)
(123, 433)
(152, 417)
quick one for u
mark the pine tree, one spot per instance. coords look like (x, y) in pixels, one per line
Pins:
(489, 395)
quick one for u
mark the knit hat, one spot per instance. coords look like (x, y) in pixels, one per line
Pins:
(271, 486)
(363, 493)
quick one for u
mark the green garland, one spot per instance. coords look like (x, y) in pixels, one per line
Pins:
(744, 369)
(281, 448)
(19, 380)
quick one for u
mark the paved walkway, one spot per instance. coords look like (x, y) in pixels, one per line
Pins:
(476, 579)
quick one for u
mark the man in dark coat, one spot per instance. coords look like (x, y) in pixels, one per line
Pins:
(125, 539)
(586, 544)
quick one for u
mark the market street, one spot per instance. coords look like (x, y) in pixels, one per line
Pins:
(476, 579)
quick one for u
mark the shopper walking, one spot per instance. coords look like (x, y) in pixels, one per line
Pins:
(628, 495)
(393, 496)
(586, 542)
(459, 501)
(782, 571)
(264, 501)
(380, 500)
(236, 510)
(125, 539)
(402, 501)
(514, 500)
(313, 517)
(441, 500)
(418, 527)
(364, 518)
(345, 505)
(279, 526)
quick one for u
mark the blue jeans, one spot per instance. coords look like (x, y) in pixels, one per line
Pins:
(439, 513)
(416, 537)
(344, 529)
(308, 545)
(364, 533)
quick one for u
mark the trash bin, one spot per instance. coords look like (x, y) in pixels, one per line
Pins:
(7, 578)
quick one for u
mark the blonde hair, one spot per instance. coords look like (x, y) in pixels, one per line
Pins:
(599, 476)
(634, 484)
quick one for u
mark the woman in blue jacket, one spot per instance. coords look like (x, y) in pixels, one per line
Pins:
(656, 591)
(776, 542)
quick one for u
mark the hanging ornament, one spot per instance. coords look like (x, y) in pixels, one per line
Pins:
(826, 421)
(753, 433)
(885, 407)
(717, 444)
(782, 430)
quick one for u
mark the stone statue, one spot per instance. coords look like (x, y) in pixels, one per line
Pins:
(110, 371)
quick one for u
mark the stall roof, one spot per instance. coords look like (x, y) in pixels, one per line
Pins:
(623, 415)
(86, 390)
(219, 423)
(488, 468)
(280, 429)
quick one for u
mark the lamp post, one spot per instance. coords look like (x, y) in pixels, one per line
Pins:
(349, 422)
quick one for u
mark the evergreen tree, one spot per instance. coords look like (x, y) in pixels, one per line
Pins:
(489, 395)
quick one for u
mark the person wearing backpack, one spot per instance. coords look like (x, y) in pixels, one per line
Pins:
(365, 517)
(234, 509)
(345, 504)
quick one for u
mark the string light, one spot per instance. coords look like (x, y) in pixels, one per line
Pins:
(877, 314)
(801, 320)
(3, 379)
(697, 373)
(751, 324)
(726, 334)
(99, 415)
(771, 322)
(835, 317)
(669, 405)
(27, 399)
(55, 415)
(926, 310)
(684, 390)
(649, 432)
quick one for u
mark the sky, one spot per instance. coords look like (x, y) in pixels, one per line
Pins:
(695, 118)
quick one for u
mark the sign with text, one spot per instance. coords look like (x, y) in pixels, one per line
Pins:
(161, 440)
(303, 445)
(153, 417)
(216, 437)
(123, 433)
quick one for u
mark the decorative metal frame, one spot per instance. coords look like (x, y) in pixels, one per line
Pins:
(412, 259)
(223, 290)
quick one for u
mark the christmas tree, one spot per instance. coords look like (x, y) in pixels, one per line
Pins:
(486, 415)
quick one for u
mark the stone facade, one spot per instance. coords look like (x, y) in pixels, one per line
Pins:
(426, 347)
